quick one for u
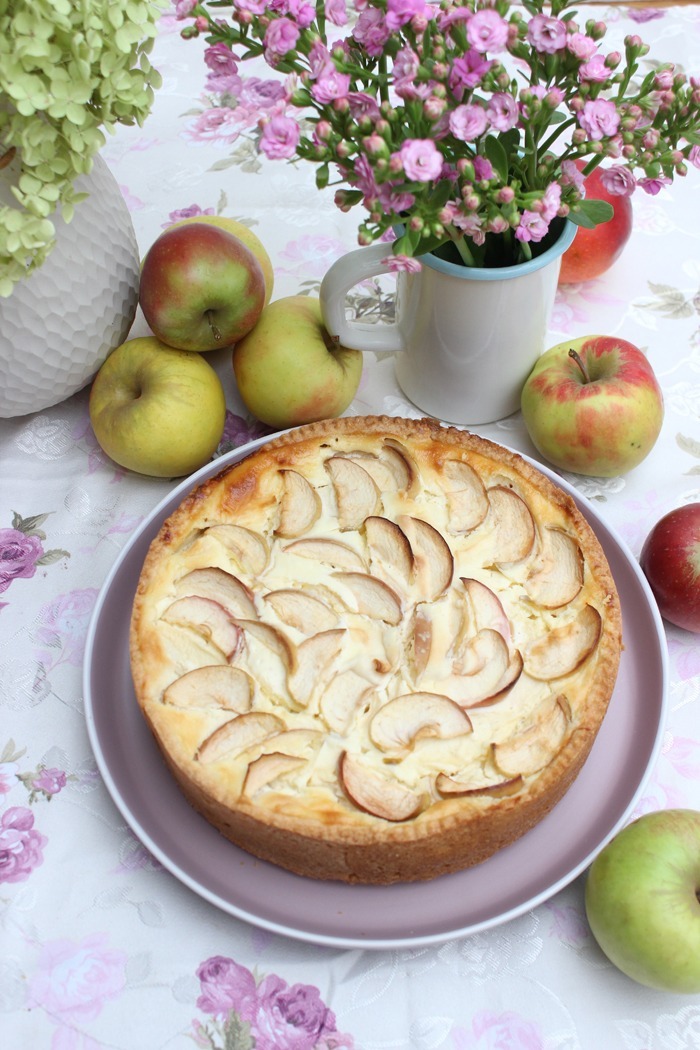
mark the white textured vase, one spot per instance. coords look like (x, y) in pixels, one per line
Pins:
(62, 321)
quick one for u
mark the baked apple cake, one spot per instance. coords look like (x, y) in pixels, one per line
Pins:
(375, 649)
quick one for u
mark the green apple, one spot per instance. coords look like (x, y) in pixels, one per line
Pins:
(593, 406)
(201, 288)
(642, 900)
(290, 371)
(244, 234)
(157, 410)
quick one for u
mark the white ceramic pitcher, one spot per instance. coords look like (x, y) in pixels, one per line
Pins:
(467, 338)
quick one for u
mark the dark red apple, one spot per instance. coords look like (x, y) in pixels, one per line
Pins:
(594, 251)
(670, 560)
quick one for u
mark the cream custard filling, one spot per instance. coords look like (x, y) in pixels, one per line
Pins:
(365, 653)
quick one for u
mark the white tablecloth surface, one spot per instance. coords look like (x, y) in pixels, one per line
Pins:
(102, 947)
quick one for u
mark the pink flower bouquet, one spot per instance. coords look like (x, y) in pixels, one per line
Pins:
(468, 124)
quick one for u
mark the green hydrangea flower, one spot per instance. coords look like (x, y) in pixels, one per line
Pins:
(69, 72)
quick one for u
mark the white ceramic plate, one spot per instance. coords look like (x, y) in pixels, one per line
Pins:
(516, 879)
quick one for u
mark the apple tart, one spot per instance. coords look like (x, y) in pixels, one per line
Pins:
(375, 649)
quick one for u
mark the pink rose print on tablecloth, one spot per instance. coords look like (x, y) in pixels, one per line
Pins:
(267, 1015)
(490, 1031)
(21, 845)
(63, 625)
(73, 982)
(43, 783)
(239, 431)
(22, 550)
(191, 212)
(18, 556)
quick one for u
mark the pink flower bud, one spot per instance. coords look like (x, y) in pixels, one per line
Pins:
(497, 224)
(340, 200)
(506, 195)
(434, 108)
(374, 145)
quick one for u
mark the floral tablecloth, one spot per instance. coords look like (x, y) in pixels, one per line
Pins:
(101, 946)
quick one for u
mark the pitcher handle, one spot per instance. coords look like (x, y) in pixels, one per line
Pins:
(343, 275)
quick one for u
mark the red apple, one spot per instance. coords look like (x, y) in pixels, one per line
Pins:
(201, 288)
(595, 250)
(670, 560)
(593, 406)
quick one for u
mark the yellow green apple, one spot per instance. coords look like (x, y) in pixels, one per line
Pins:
(290, 371)
(642, 904)
(201, 288)
(593, 406)
(244, 234)
(157, 410)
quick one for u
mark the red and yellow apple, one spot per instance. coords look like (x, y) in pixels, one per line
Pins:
(289, 370)
(670, 560)
(157, 410)
(642, 900)
(244, 234)
(593, 406)
(595, 250)
(201, 288)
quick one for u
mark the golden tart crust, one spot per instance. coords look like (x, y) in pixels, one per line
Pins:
(375, 649)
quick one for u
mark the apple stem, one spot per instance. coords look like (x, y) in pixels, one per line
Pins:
(577, 358)
(215, 331)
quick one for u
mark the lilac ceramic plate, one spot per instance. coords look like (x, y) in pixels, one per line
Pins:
(518, 878)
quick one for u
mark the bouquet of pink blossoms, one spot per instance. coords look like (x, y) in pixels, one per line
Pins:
(462, 127)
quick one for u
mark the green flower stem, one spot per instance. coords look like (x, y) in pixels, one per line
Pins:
(460, 243)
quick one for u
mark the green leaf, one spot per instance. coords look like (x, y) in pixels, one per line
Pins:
(495, 152)
(688, 444)
(10, 753)
(222, 165)
(52, 556)
(590, 213)
(403, 245)
(322, 177)
(237, 1034)
(510, 140)
(29, 526)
